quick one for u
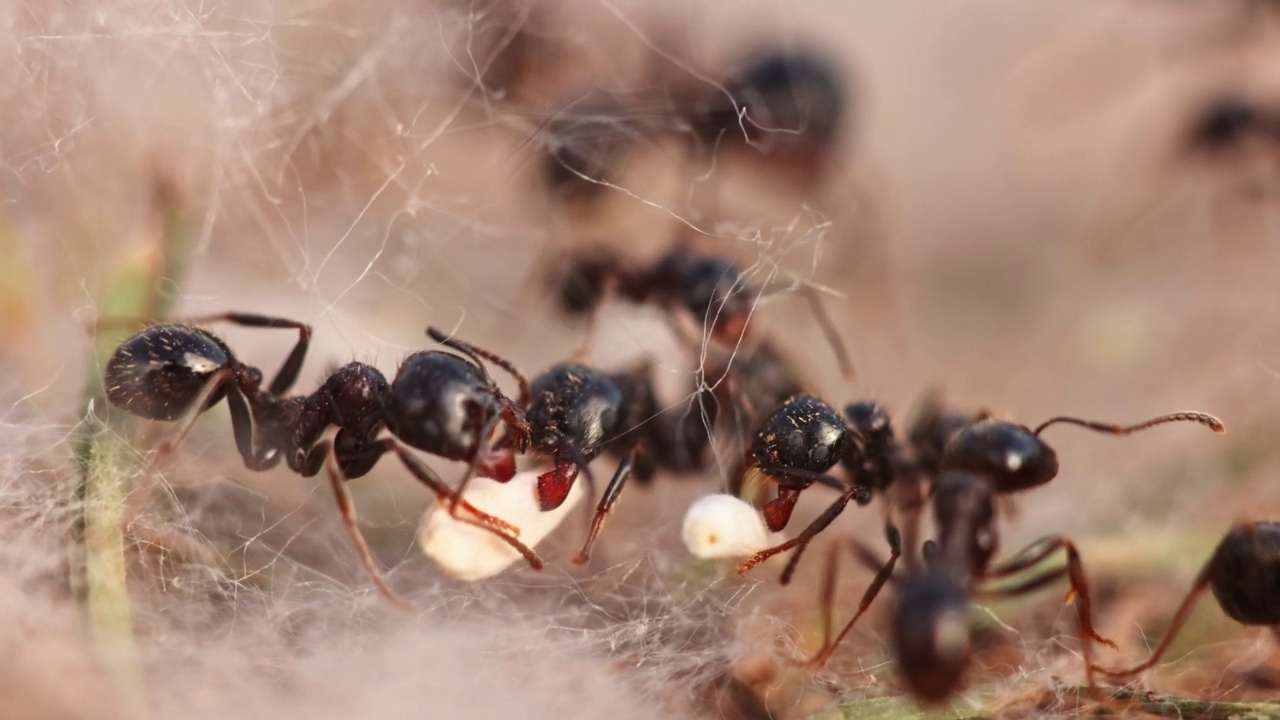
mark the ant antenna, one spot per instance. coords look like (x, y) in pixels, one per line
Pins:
(1205, 419)
(825, 323)
(475, 353)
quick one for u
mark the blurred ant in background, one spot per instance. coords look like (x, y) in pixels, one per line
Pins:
(709, 290)
(439, 402)
(789, 106)
(1244, 575)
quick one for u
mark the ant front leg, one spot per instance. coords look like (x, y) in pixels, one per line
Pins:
(611, 493)
(1179, 619)
(801, 541)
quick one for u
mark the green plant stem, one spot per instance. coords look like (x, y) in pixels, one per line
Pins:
(141, 285)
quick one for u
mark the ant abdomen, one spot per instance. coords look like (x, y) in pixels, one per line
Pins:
(805, 434)
(931, 635)
(1244, 573)
(439, 402)
(159, 372)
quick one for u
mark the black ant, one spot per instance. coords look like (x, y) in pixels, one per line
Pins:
(930, 621)
(708, 289)
(1008, 458)
(1244, 575)
(577, 413)
(1014, 458)
(786, 104)
(797, 446)
(438, 403)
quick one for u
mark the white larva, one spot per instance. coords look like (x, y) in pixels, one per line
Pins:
(722, 526)
(471, 553)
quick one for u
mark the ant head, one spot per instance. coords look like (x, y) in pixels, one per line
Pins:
(871, 421)
(1010, 456)
(711, 289)
(804, 434)
(159, 372)
(931, 635)
(1243, 572)
(355, 395)
(573, 404)
(440, 403)
(931, 430)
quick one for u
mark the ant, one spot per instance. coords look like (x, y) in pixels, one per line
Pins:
(930, 624)
(798, 445)
(787, 105)
(175, 371)
(1242, 574)
(710, 290)
(1008, 458)
(577, 413)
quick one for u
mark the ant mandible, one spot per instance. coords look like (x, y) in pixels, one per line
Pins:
(176, 371)
(710, 290)
(1244, 575)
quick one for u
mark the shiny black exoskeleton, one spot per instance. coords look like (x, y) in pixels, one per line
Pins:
(1014, 458)
(930, 633)
(578, 412)
(449, 406)
(1244, 575)
(176, 371)
(931, 429)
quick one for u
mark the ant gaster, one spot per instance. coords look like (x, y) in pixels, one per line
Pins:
(174, 372)
(1244, 575)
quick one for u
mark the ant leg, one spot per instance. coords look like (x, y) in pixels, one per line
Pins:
(1179, 618)
(828, 328)
(611, 493)
(801, 541)
(1079, 592)
(241, 422)
(883, 573)
(348, 510)
(608, 288)
(482, 443)
(482, 520)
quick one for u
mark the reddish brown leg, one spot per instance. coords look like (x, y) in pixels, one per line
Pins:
(611, 493)
(501, 528)
(1179, 618)
(348, 510)
(801, 541)
(1079, 591)
(883, 573)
